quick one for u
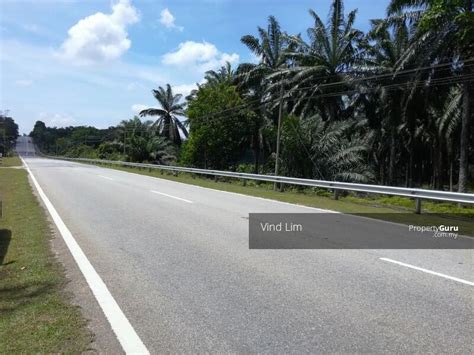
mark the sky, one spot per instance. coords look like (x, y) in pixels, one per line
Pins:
(95, 62)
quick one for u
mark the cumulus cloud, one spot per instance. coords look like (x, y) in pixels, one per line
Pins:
(57, 119)
(168, 20)
(184, 89)
(200, 56)
(100, 37)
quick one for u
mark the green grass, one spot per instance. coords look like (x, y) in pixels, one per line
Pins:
(10, 161)
(390, 208)
(36, 315)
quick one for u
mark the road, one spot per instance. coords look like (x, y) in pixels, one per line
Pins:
(176, 259)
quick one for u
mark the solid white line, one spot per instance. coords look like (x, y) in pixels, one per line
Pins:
(429, 271)
(106, 177)
(177, 198)
(128, 338)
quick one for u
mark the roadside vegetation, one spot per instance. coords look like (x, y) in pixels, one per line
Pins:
(36, 315)
(8, 134)
(392, 106)
(10, 161)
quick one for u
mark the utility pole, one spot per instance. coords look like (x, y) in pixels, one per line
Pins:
(277, 157)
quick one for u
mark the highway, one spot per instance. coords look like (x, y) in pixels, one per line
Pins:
(176, 259)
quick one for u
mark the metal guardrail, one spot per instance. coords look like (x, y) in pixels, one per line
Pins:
(417, 194)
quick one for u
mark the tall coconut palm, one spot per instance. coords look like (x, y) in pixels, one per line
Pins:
(168, 122)
(445, 32)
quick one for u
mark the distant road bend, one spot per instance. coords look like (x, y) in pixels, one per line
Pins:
(176, 259)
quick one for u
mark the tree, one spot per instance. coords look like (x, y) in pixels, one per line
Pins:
(217, 140)
(224, 75)
(389, 43)
(168, 122)
(325, 64)
(8, 132)
(325, 150)
(143, 144)
(444, 33)
(262, 80)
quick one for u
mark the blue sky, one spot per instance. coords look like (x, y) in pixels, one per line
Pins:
(94, 62)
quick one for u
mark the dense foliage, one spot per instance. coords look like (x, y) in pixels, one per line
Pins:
(131, 140)
(390, 106)
(8, 133)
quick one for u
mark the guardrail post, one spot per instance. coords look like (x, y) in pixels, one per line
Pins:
(336, 194)
(418, 205)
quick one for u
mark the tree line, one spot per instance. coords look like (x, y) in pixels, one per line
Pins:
(390, 106)
(8, 133)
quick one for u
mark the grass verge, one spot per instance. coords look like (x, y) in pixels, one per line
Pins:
(36, 315)
(389, 208)
(10, 161)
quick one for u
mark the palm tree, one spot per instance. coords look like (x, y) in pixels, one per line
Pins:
(331, 150)
(444, 34)
(263, 81)
(271, 48)
(168, 122)
(225, 74)
(141, 142)
(389, 43)
(327, 59)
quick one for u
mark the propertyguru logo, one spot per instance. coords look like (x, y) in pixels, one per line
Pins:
(441, 231)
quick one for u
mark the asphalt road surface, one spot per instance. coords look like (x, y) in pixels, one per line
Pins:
(176, 259)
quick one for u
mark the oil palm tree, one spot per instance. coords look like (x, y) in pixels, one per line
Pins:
(445, 33)
(168, 123)
(142, 143)
(332, 52)
(389, 43)
(270, 48)
(225, 74)
(258, 81)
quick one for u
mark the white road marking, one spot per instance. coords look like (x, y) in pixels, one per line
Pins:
(429, 271)
(128, 338)
(106, 177)
(177, 198)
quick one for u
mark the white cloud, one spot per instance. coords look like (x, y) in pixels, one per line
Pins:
(168, 20)
(24, 82)
(100, 37)
(184, 89)
(57, 119)
(136, 108)
(199, 56)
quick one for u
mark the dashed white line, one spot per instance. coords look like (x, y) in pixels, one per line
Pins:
(171, 196)
(428, 271)
(106, 177)
(128, 338)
